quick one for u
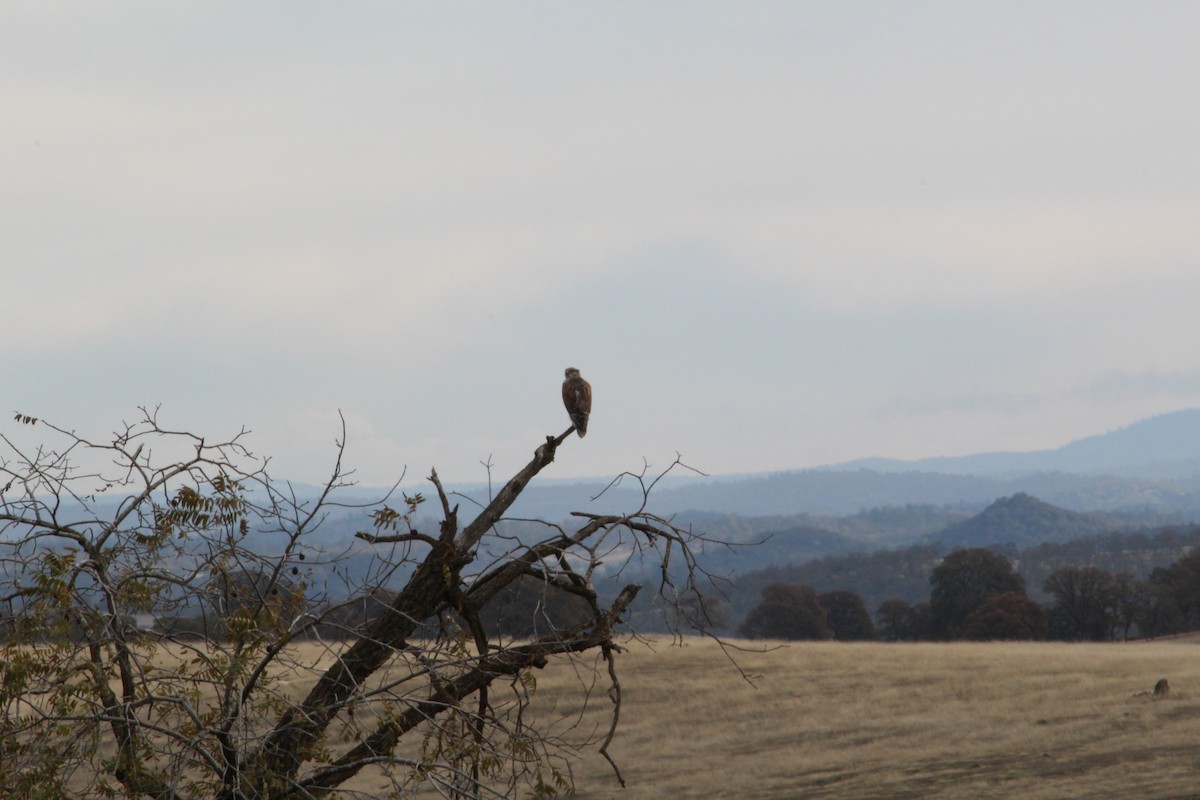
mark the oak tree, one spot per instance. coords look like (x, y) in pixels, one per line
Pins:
(295, 676)
(787, 611)
(1010, 616)
(847, 616)
(962, 582)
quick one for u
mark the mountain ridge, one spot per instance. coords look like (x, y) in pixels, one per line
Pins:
(1163, 446)
(1151, 465)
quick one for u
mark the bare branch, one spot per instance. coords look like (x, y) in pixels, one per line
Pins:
(161, 596)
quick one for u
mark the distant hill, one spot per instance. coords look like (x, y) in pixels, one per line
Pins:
(824, 492)
(1165, 446)
(904, 573)
(1024, 521)
(1149, 467)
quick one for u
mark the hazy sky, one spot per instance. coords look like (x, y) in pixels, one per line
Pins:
(772, 235)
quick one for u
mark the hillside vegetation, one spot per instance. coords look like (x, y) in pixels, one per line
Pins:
(1038, 537)
(1022, 520)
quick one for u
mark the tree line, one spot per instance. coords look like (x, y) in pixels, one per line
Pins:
(977, 594)
(880, 575)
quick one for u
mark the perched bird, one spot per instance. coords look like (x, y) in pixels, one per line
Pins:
(577, 397)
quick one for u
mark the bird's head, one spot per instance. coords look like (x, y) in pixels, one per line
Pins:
(572, 373)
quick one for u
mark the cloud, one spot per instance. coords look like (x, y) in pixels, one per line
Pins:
(871, 258)
(1004, 402)
(1123, 385)
(766, 235)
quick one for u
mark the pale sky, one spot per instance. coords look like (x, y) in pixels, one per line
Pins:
(772, 235)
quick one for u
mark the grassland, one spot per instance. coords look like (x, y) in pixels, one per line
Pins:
(829, 720)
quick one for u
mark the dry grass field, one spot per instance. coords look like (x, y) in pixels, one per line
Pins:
(828, 720)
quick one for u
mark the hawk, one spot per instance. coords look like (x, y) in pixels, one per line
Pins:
(577, 397)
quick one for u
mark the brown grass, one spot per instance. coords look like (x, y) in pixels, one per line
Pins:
(829, 720)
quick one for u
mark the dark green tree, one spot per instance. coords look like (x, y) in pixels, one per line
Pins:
(1008, 616)
(1086, 604)
(1174, 598)
(897, 621)
(1157, 609)
(961, 584)
(893, 617)
(787, 611)
(1130, 594)
(847, 616)
(922, 622)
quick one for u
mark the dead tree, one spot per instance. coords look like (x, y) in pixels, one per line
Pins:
(170, 626)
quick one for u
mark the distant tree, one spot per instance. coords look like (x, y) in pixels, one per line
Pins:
(1174, 597)
(1131, 594)
(922, 622)
(893, 619)
(897, 621)
(1184, 576)
(874, 576)
(1008, 616)
(847, 616)
(530, 607)
(1157, 610)
(1135, 553)
(699, 611)
(961, 584)
(787, 611)
(1168, 538)
(1085, 604)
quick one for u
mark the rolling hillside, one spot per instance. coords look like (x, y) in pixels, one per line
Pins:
(1022, 520)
